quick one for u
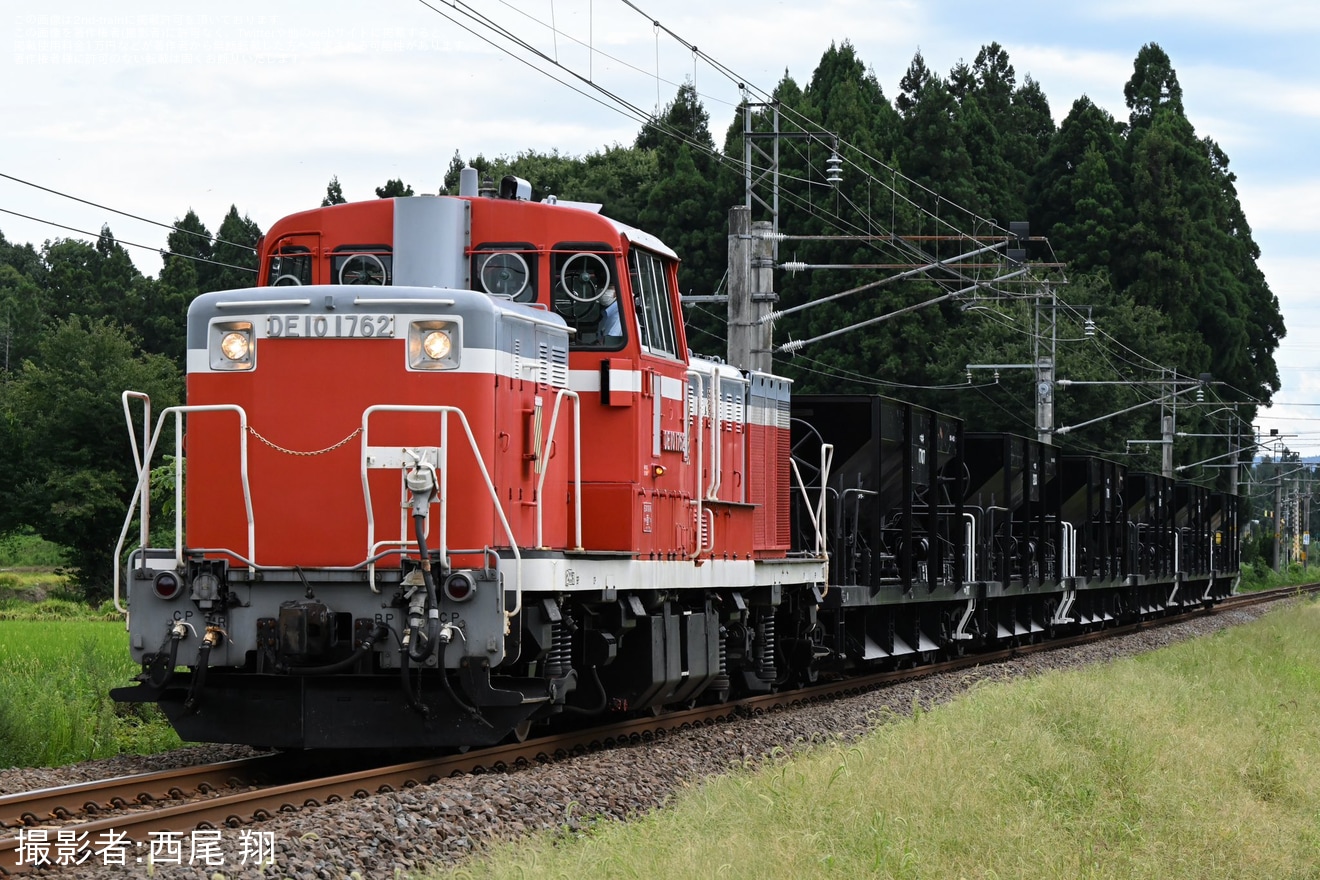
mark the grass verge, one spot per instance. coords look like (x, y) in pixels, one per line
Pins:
(54, 703)
(1258, 576)
(1199, 760)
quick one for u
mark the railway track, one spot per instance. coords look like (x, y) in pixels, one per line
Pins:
(237, 793)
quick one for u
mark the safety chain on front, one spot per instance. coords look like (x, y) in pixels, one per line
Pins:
(278, 448)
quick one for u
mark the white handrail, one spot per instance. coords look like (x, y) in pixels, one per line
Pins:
(822, 549)
(141, 490)
(716, 452)
(694, 411)
(971, 547)
(817, 513)
(1068, 559)
(577, 466)
(443, 499)
(144, 475)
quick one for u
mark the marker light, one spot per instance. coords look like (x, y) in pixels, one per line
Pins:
(459, 587)
(166, 585)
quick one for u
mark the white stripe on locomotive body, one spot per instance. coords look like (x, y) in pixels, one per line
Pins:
(588, 381)
(584, 381)
(553, 574)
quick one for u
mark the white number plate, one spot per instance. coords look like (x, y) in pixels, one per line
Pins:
(349, 326)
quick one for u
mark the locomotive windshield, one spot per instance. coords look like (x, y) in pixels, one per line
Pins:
(362, 264)
(584, 282)
(291, 264)
(506, 269)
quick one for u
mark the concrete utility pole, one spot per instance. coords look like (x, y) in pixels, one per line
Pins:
(1278, 520)
(751, 291)
(1296, 543)
(1166, 429)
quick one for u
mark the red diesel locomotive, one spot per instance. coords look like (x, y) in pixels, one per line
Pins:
(450, 471)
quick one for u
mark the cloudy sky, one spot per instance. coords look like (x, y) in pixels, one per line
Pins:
(153, 107)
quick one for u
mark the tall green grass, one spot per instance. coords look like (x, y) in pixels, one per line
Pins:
(55, 677)
(24, 548)
(1200, 760)
(1259, 576)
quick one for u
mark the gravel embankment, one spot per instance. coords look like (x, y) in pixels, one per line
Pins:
(375, 837)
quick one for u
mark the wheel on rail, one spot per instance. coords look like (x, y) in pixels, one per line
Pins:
(520, 732)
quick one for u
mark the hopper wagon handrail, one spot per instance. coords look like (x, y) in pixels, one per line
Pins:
(817, 512)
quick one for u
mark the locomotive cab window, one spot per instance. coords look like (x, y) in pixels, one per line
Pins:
(290, 265)
(505, 270)
(585, 284)
(655, 315)
(362, 264)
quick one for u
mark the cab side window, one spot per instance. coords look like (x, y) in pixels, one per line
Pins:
(655, 315)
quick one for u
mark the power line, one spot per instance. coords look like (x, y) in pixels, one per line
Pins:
(174, 227)
(624, 107)
(904, 193)
(616, 59)
(145, 247)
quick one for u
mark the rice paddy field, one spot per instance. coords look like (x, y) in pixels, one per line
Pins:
(56, 670)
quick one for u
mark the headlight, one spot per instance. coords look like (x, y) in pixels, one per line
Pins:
(235, 346)
(434, 345)
(232, 345)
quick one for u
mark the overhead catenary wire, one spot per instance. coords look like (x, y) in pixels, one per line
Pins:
(145, 247)
(175, 227)
(895, 175)
(620, 105)
(615, 58)
(930, 204)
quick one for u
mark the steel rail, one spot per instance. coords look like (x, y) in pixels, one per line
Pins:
(64, 802)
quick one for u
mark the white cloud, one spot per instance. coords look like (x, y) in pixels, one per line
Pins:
(1283, 16)
(1292, 207)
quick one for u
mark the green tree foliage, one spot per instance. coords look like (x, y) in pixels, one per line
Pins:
(1078, 194)
(23, 258)
(235, 249)
(22, 317)
(67, 475)
(393, 188)
(191, 241)
(678, 207)
(334, 194)
(1188, 251)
